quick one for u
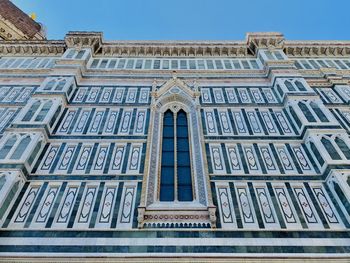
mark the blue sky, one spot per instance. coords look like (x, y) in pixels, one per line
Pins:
(193, 19)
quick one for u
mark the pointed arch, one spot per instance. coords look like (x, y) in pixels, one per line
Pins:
(319, 112)
(7, 146)
(50, 84)
(28, 116)
(332, 151)
(21, 147)
(289, 85)
(61, 84)
(316, 153)
(300, 85)
(306, 111)
(44, 110)
(343, 147)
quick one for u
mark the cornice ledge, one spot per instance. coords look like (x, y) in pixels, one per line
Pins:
(175, 49)
(36, 48)
(317, 48)
(269, 40)
(79, 40)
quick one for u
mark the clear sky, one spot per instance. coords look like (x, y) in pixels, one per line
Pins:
(193, 19)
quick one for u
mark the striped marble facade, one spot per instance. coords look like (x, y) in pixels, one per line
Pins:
(81, 124)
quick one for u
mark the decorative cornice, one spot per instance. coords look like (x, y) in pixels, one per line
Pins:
(317, 48)
(248, 48)
(175, 49)
(79, 40)
(34, 48)
(269, 40)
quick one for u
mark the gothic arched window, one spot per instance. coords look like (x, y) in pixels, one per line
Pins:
(330, 149)
(43, 112)
(7, 146)
(300, 85)
(167, 190)
(31, 111)
(175, 179)
(50, 84)
(316, 153)
(61, 84)
(289, 85)
(343, 147)
(307, 112)
(21, 148)
(318, 112)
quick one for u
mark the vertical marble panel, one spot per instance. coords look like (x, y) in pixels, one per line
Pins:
(139, 126)
(134, 159)
(49, 157)
(257, 95)
(92, 95)
(285, 159)
(231, 95)
(218, 95)
(243, 94)
(67, 122)
(269, 95)
(306, 207)
(105, 214)
(96, 121)
(205, 95)
(254, 122)
(111, 122)
(240, 123)
(125, 122)
(131, 95)
(118, 95)
(79, 97)
(82, 120)
(225, 122)
(83, 158)
(118, 159)
(217, 159)
(66, 158)
(226, 210)
(251, 159)
(269, 124)
(66, 206)
(234, 159)
(26, 205)
(210, 122)
(46, 205)
(283, 122)
(144, 95)
(327, 206)
(86, 206)
(106, 95)
(100, 159)
(286, 206)
(127, 206)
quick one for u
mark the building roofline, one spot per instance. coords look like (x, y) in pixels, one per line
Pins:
(248, 47)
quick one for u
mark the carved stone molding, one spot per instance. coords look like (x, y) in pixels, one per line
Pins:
(78, 40)
(270, 40)
(317, 48)
(232, 48)
(35, 48)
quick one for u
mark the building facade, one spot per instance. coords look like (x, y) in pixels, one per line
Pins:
(184, 149)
